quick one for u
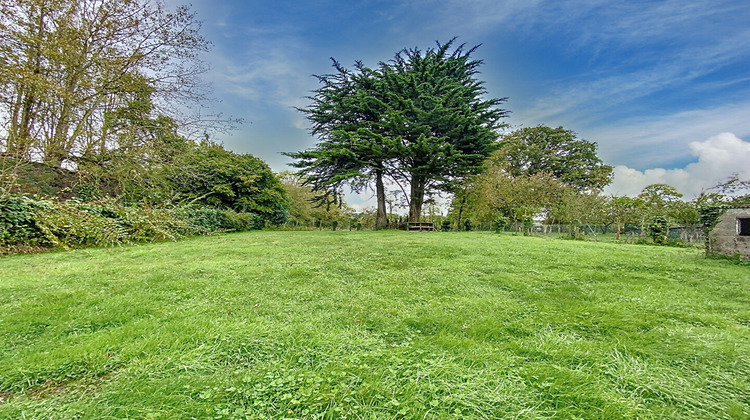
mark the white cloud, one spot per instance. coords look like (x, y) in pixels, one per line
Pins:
(718, 158)
(661, 141)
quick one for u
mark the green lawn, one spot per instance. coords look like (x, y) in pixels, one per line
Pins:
(374, 325)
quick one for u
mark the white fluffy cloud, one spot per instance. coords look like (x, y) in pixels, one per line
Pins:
(718, 158)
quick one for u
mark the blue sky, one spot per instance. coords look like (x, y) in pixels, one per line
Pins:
(662, 86)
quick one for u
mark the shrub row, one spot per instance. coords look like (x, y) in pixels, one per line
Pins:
(30, 223)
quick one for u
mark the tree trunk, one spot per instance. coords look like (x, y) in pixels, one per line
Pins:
(417, 199)
(460, 211)
(19, 135)
(381, 218)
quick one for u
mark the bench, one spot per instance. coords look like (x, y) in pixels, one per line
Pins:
(420, 227)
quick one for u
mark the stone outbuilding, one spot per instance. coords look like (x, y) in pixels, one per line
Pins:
(731, 234)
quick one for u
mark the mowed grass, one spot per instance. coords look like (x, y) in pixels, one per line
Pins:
(374, 325)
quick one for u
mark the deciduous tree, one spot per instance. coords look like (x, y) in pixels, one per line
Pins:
(66, 65)
(556, 151)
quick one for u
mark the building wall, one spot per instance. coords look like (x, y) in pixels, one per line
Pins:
(724, 239)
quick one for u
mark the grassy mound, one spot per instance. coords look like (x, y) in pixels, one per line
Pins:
(38, 179)
(374, 325)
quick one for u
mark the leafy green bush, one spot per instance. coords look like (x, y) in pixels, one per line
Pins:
(211, 219)
(233, 220)
(658, 229)
(205, 218)
(500, 223)
(211, 176)
(528, 223)
(27, 222)
(156, 224)
(17, 220)
(64, 226)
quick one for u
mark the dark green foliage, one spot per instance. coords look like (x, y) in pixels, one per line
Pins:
(205, 218)
(418, 119)
(216, 177)
(232, 220)
(213, 219)
(354, 146)
(436, 109)
(447, 225)
(171, 170)
(500, 223)
(16, 219)
(658, 229)
(528, 223)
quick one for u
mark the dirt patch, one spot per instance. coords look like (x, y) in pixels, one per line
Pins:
(53, 387)
(22, 249)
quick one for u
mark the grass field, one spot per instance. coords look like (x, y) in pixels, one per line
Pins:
(374, 325)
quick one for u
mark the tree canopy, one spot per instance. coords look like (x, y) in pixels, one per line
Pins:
(419, 120)
(346, 115)
(556, 151)
(77, 76)
(536, 172)
(437, 110)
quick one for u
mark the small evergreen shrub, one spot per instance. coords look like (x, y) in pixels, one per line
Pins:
(658, 229)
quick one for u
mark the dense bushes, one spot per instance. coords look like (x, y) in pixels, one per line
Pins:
(212, 219)
(171, 188)
(180, 171)
(216, 177)
(29, 223)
